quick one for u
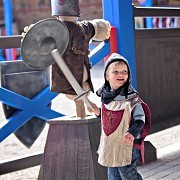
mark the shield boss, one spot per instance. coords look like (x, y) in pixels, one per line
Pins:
(45, 36)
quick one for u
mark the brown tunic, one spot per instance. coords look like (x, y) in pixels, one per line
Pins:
(76, 56)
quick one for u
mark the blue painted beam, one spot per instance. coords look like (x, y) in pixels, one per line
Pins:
(149, 24)
(8, 18)
(99, 52)
(38, 106)
(147, 3)
(1, 55)
(27, 108)
(120, 14)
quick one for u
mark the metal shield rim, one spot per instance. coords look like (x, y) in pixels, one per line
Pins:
(29, 50)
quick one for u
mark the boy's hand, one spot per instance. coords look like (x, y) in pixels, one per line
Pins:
(96, 109)
(128, 138)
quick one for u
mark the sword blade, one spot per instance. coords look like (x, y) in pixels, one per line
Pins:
(68, 74)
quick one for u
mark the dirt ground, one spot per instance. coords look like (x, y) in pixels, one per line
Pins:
(12, 148)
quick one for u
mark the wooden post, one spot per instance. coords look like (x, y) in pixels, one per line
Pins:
(71, 150)
(80, 109)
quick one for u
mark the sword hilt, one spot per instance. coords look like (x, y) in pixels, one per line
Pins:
(84, 93)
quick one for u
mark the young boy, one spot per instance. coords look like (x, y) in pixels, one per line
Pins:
(123, 116)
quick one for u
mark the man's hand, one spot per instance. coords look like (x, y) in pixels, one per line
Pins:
(102, 29)
(26, 29)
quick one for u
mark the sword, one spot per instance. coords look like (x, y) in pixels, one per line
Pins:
(68, 74)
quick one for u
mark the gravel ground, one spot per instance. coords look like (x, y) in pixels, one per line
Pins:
(164, 141)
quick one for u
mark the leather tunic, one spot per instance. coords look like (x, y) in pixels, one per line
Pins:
(75, 56)
(116, 118)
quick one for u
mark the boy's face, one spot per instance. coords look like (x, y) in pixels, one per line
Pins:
(117, 74)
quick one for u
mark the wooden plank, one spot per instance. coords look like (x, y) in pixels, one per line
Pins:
(7, 42)
(23, 162)
(158, 75)
(156, 11)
